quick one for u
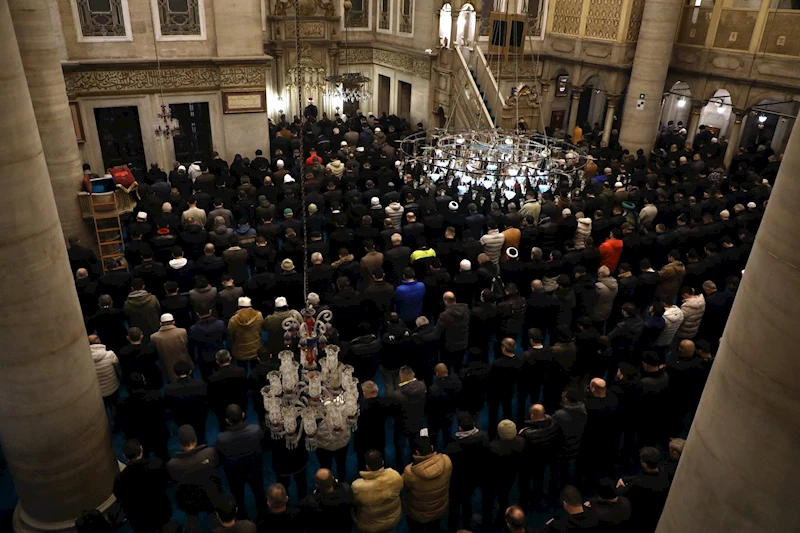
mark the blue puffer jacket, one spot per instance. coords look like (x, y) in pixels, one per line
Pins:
(409, 296)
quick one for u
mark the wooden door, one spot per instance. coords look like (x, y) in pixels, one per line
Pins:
(194, 143)
(557, 119)
(404, 100)
(121, 137)
(384, 94)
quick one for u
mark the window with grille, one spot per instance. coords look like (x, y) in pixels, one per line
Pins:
(358, 16)
(101, 18)
(384, 14)
(406, 16)
(180, 17)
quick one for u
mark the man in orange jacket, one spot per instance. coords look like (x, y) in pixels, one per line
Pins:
(611, 250)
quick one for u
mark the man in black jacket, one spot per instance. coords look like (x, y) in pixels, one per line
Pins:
(571, 420)
(482, 320)
(226, 386)
(371, 431)
(653, 403)
(240, 451)
(647, 492)
(141, 489)
(504, 373)
(194, 470)
(613, 511)
(541, 435)
(187, 398)
(468, 454)
(442, 404)
(453, 328)
(142, 417)
(409, 412)
(328, 507)
(601, 438)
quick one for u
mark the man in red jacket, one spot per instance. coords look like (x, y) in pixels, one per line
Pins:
(611, 250)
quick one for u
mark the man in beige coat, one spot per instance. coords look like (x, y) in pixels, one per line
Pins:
(171, 343)
(427, 482)
(376, 495)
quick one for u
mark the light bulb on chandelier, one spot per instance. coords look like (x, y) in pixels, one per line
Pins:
(166, 126)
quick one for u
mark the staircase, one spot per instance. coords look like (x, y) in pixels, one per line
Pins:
(470, 100)
(483, 95)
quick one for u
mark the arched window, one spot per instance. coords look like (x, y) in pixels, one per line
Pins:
(406, 23)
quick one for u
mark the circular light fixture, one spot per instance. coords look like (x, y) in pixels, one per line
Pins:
(762, 118)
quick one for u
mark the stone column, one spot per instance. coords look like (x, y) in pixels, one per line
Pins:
(735, 137)
(650, 64)
(736, 472)
(608, 125)
(544, 107)
(53, 427)
(38, 47)
(694, 122)
(573, 110)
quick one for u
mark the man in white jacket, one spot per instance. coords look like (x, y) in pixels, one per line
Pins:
(106, 365)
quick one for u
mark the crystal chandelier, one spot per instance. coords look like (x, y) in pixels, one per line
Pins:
(348, 87)
(303, 395)
(505, 163)
(166, 126)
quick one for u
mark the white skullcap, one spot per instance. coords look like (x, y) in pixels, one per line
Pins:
(360, 149)
(375, 201)
(465, 265)
(288, 179)
(453, 206)
(279, 163)
(683, 131)
(244, 301)
(714, 140)
(280, 301)
(724, 214)
(343, 143)
(377, 130)
(141, 215)
(682, 159)
(618, 184)
(181, 167)
(167, 317)
(397, 164)
(607, 170)
(751, 205)
(566, 212)
(512, 252)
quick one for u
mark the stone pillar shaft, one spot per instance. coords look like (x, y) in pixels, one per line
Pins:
(694, 123)
(38, 47)
(53, 426)
(608, 125)
(734, 138)
(650, 65)
(736, 472)
(573, 110)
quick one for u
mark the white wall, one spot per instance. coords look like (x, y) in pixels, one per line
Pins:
(420, 94)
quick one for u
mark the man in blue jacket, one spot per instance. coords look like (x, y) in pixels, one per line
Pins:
(206, 338)
(239, 449)
(409, 296)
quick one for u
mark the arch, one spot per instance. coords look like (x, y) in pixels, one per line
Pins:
(718, 112)
(445, 26)
(757, 97)
(677, 104)
(592, 104)
(770, 119)
(465, 29)
(714, 86)
(588, 75)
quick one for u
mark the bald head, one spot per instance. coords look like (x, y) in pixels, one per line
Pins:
(441, 370)
(598, 387)
(94, 339)
(397, 239)
(82, 273)
(323, 479)
(449, 298)
(686, 349)
(536, 412)
(209, 249)
(515, 518)
(537, 286)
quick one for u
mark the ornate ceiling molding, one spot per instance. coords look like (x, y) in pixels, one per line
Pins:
(93, 82)
(416, 66)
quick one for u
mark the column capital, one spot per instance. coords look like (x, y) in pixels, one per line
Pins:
(740, 113)
(613, 99)
(697, 107)
(576, 91)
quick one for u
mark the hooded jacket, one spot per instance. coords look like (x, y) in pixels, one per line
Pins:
(606, 292)
(610, 252)
(244, 333)
(105, 364)
(377, 500)
(583, 230)
(669, 281)
(427, 482)
(394, 211)
(336, 167)
(453, 327)
(673, 318)
(143, 311)
(410, 398)
(693, 309)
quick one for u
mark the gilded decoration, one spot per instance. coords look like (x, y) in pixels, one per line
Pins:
(143, 81)
(603, 19)
(412, 65)
(567, 17)
(637, 10)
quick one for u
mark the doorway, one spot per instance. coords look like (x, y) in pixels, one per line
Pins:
(384, 94)
(404, 100)
(120, 137)
(194, 142)
(557, 120)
